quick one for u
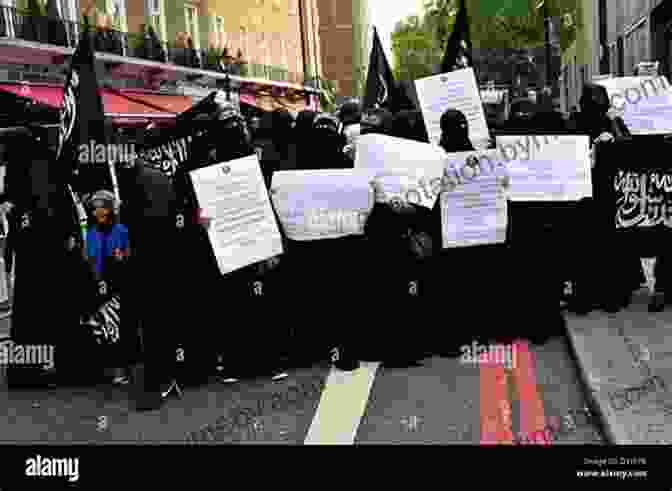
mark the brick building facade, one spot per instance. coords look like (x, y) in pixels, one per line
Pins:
(345, 42)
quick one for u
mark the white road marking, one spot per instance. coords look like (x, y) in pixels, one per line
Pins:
(342, 406)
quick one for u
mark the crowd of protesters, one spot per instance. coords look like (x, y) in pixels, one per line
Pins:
(392, 294)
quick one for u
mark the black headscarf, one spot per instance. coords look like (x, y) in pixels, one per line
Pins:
(380, 121)
(593, 118)
(282, 133)
(303, 131)
(410, 124)
(350, 113)
(327, 142)
(455, 132)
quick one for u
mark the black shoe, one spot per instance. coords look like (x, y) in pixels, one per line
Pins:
(617, 304)
(612, 307)
(149, 401)
(657, 303)
(539, 340)
(579, 307)
(450, 353)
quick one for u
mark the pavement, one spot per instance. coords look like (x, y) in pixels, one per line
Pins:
(625, 360)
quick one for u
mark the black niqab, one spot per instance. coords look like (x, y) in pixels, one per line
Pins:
(593, 118)
(411, 125)
(455, 132)
(379, 121)
(327, 142)
(303, 131)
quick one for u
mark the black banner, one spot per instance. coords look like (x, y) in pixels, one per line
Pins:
(168, 155)
(82, 120)
(633, 192)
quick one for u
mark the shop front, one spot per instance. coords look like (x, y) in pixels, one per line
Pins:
(126, 108)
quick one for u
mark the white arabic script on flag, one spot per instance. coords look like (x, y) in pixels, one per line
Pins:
(68, 112)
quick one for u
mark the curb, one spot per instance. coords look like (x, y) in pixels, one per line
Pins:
(591, 399)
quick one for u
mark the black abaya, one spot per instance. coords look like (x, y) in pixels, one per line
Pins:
(597, 250)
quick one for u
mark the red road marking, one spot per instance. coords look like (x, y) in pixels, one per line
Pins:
(532, 417)
(495, 405)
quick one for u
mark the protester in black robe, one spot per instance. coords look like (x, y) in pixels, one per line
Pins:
(535, 233)
(232, 350)
(400, 246)
(458, 273)
(596, 253)
(155, 303)
(49, 290)
(302, 131)
(273, 141)
(328, 275)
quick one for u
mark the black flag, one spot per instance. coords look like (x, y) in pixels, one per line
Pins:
(56, 33)
(82, 144)
(381, 89)
(458, 49)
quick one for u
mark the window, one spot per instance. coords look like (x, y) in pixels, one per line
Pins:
(583, 78)
(191, 19)
(565, 77)
(157, 18)
(218, 38)
(117, 10)
(219, 25)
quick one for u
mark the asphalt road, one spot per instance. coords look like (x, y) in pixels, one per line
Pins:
(440, 402)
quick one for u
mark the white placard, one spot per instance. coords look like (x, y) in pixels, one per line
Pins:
(402, 169)
(547, 167)
(644, 103)
(474, 201)
(243, 230)
(452, 90)
(322, 204)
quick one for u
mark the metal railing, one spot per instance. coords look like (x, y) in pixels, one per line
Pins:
(20, 24)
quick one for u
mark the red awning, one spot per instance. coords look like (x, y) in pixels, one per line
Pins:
(136, 106)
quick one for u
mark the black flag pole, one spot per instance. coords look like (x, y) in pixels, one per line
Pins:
(83, 127)
(381, 89)
(458, 54)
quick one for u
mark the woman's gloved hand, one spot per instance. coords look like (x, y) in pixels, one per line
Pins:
(349, 151)
(267, 266)
(604, 137)
(421, 244)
